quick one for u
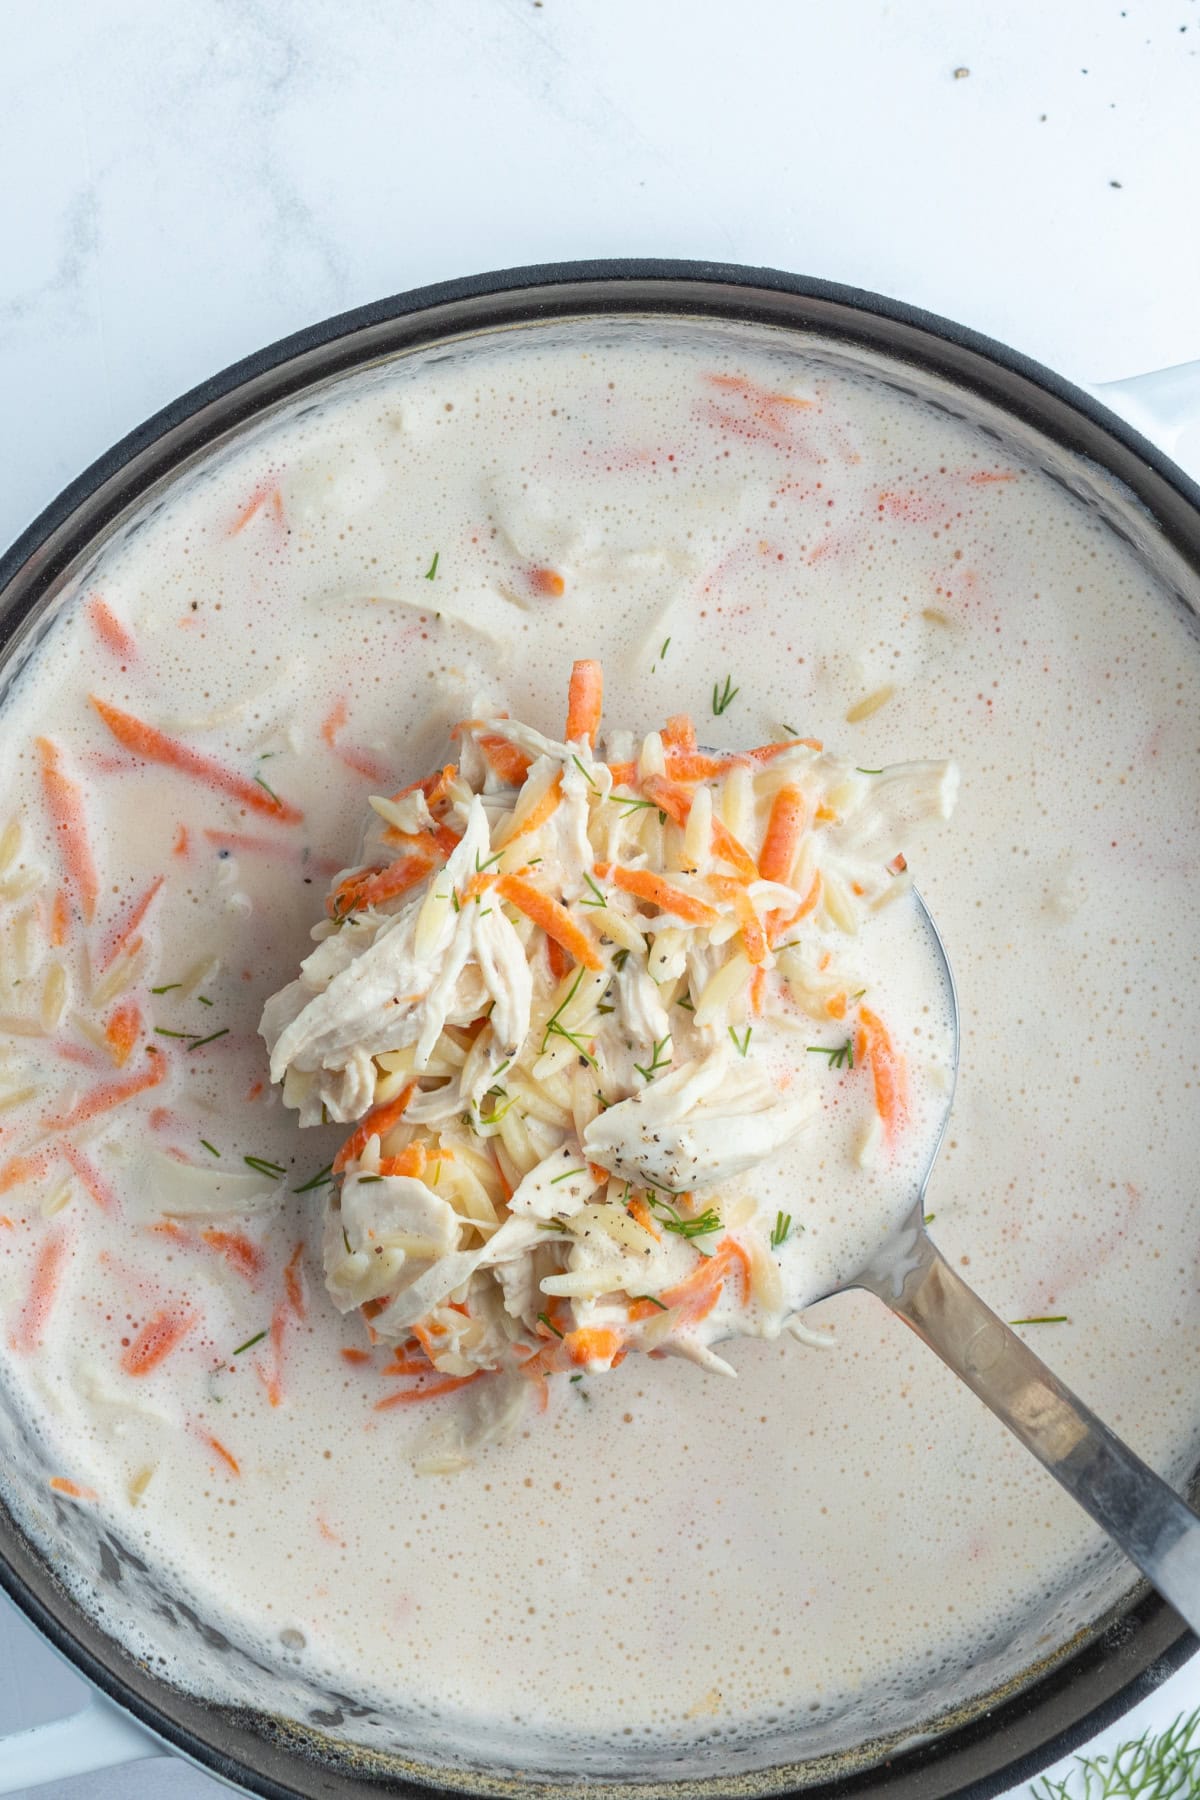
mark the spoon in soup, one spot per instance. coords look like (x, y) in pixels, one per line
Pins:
(1136, 1507)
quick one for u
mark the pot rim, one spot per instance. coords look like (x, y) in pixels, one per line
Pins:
(1143, 1641)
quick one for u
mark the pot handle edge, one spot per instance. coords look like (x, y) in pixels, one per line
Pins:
(99, 1736)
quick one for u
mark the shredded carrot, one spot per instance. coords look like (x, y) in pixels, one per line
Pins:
(358, 760)
(411, 1162)
(751, 927)
(293, 1282)
(552, 917)
(109, 629)
(547, 581)
(763, 753)
(151, 745)
(644, 884)
(874, 1046)
(64, 801)
(758, 982)
(239, 1251)
(43, 1290)
(125, 929)
(835, 1006)
(90, 1178)
(108, 1095)
(156, 1340)
(779, 925)
(265, 491)
(677, 803)
(825, 815)
(23, 1168)
(504, 759)
(407, 1365)
(371, 887)
(180, 846)
(696, 765)
(543, 810)
(72, 1489)
(624, 774)
(696, 1296)
(679, 733)
(785, 828)
(638, 1210)
(60, 915)
(585, 702)
(123, 1030)
(226, 1456)
(6, 1222)
(560, 962)
(595, 1343)
(356, 1356)
(378, 1123)
(410, 1396)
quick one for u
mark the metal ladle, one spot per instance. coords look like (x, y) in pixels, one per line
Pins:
(1136, 1507)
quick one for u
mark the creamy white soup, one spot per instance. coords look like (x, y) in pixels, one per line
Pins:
(655, 1557)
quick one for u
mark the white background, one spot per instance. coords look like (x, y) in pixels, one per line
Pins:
(181, 183)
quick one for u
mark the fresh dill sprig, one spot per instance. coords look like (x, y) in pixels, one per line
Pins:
(685, 1003)
(789, 730)
(556, 1015)
(598, 893)
(267, 790)
(168, 988)
(723, 697)
(481, 866)
(782, 1231)
(658, 1061)
(584, 773)
(741, 1044)
(650, 1297)
(1045, 1319)
(700, 1226)
(554, 1029)
(840, 1055)
(868, 771)
(431, 571)
(666, 646)
(204, 1000)
(549, 1324)
(198, 1043)
(321, 1179)
(261, 1166)
(212, 1148)
(566, 1176)
(250, 1343)
(1162, 1765)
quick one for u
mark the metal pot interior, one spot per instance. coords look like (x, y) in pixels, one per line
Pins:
(954, 1731)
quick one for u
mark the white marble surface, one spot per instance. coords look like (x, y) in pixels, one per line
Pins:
(186, 182)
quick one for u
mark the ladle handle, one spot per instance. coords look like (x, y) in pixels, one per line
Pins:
(1150, 1522)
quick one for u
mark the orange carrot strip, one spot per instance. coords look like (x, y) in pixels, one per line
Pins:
(825, 815)
(262, 493)
(874, 1046)
(378, 1123)
(123, 1030)
(64, 802)
(547, 581)
(696, 1296)
(695, 765)
(110, 1094)
(752, 932)
(778, 925)
(90, 1178)
(835, 1006)
(180, 846)
(371, 887)
(60, 917)
(560, 962)
(411, 1161)
(293, 1282)
(358, 760)
(785, 828)
(644, 884)
(356, 1356)
(679, 733)
(61, 1485)
(227, 1456)
(585, 701)
(23, 1168)
(552, 917)
(638, 1210)
(122, 932)
(758, 982)
(109, 629)
(543, 810)
(504, 759)
(151, 745)
(43, 1290)
(624, 774)
(763, 753)
(677, 803)
(6, 1222)
(239, 1251)
(156, 1340)
(410, 1396)
(595, 1343)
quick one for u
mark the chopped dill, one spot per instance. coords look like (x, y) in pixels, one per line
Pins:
(549, 1324)
(204, 999)
(554, 1029)
(666, 646)
(584, 773)
(657, 1061)
(782, 1231)
(267, 790)
(261, 1166)
(701, 1226)
(790, 731)
(163, 1032)
(1046, 1319)
(840, 1055)
(431, 571)
(250, 1342)
(868, 771)
(552, 1023)
(551, 1225)
(576, 1378)
(346, 1241)
(454, 900)
(210, 1039)
(686, 1004)
(620, 958)
(599, 899)
(652, 1300)
(723, 697)
(321, 1179)
(366, 1178)
(481, 866)
(741, 1045)
(566, 1176)
(929, 1218)
(211, 1148)
(168, 988)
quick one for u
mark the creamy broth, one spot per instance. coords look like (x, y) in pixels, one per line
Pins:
(663, 1556)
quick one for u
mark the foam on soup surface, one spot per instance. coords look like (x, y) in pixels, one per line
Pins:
(662, 1556)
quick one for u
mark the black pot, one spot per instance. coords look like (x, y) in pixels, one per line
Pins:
(999, 1739)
